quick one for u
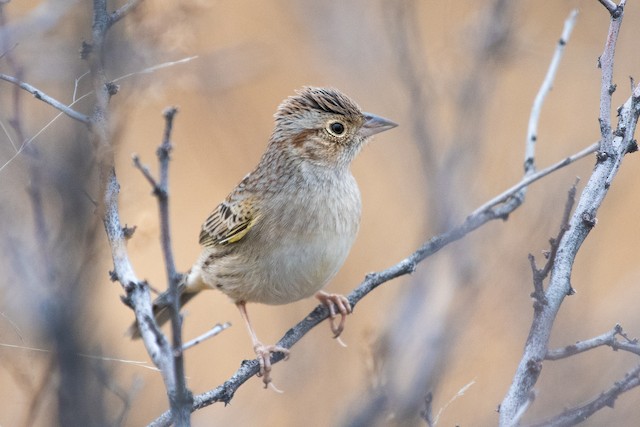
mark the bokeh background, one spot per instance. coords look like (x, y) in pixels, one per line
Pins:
(459, 78)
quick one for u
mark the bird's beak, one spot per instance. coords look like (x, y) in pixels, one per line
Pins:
(375, 124)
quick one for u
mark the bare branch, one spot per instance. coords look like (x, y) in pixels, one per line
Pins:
(564, 227)
(162, 192)
(157, 67)
(123, 270)
(545, 88)
(123, 11)
(144, 170)
(38, 94)
(518, 191)
(137, 292)
(611, 6)
(182, 398)
(605, 62)
(530, 179)
(539, 275)
(209, 334)
(582, 221)
(573, 416)
(608, 339)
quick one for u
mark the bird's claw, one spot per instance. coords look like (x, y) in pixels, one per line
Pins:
(333, 301)
(263, 353)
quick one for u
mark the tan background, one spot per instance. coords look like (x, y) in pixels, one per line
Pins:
(250, 56)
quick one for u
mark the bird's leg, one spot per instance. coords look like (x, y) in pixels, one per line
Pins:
(263, 352)
(332, 301)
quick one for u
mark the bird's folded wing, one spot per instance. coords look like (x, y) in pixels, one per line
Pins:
(229, 222)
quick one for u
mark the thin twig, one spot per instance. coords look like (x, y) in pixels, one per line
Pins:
(573, 416)
(155, 68)
(610, 5)
(123, 11)
(519, 190)
(148, 70)
(182, 396)
(38, 94)
(455, 397)
(209, 334)
(608, 339)
(144, 170)
(539, 275)
(545, 88)
(530, 179)
(142, 364)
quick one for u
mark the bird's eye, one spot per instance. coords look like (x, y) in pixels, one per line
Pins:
(336, 128)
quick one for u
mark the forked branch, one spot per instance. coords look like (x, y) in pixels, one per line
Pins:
(614, 146)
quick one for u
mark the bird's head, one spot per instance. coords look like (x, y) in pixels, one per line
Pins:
(324, 126)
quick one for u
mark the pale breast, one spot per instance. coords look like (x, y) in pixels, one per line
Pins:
(300, 243)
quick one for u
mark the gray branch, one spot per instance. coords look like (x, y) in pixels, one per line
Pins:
(38, 94)
(608, 338)
(582, 221)
(180, 397)
(137, 292)
(573, 416)
(545, 88)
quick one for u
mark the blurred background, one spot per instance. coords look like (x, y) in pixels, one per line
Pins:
(459, 78)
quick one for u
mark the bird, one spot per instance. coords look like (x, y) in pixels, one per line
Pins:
(286, 229)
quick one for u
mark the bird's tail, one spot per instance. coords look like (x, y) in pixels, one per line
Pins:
(161, 311)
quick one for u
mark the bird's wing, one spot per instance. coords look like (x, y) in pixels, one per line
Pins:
(229, 222)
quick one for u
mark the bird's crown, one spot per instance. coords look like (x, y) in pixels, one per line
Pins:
(327, 100)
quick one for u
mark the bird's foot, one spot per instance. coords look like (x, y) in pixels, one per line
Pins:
(263, 353)
(333, 302)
